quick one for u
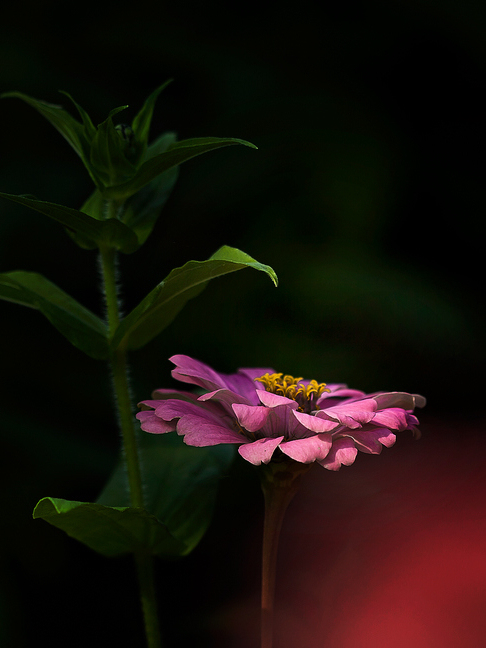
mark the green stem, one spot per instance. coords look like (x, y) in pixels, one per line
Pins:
(119, 367)
(145, 571)
(280, 482)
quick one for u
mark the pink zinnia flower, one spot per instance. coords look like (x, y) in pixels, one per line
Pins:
(261, 410)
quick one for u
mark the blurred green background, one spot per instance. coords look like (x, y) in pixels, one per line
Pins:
(365, 196)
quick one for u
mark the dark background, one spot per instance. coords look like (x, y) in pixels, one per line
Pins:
(365, 196)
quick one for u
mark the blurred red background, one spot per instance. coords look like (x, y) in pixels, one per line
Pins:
(390, 552)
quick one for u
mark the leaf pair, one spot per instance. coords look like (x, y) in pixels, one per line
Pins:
(89, 333)
(133, 179)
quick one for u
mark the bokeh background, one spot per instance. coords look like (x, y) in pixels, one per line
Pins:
(366, 197)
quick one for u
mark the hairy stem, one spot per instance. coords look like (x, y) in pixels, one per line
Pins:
(119, 368)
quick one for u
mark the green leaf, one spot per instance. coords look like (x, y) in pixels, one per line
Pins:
(141, 122)
(143, 208)
(79, 325)
(95, 206)
(62, 121)
(176, 154)
(111, 531)
(161, 305)
(180, 484)
(87, 232)
(90, 129)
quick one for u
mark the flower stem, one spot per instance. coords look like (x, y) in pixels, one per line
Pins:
(119, 368)
(280, 482)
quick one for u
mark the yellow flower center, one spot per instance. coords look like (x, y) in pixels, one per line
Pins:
(305, 395)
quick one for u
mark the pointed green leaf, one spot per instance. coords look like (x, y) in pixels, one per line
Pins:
(95, 206)
(180, 484)
(176, 154)
(62, 121)
(78, 324)
(141, 122)
(144, 207)
(111, 531)
(79, 135)
(115, 111)
(162, 304)
(90, 129)
(89, 233)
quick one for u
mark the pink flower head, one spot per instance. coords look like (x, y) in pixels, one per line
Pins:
(261, 410)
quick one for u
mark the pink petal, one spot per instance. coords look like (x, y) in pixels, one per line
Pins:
(371, 441)
(385, 400)
(420, 401)
(353, 414)
(273, 400)
(342, 453)
(198, 373)
(201, 426)
(259, 451)
(315, 424)
(392, 417)
(255, 373)
(200, 432)
(146, 404)
(251, 417)
(282, 421)
(175, 408)
(314, 448)
(164, 394)
(338, 391)
(224, 396)
(149, 422)
(195, 372)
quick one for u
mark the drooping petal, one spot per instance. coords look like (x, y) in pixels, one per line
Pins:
(175, 408)
(392, 417)
(251, 417)
(150, 422)
(259, 451)
(372, 441)
(193, 371)
(313, 448)
(198, 373)
(386, 400)
(200, 425)
(353, 414)
(342, 453)
(148, 404)
(420, 401)
(198, 431)
(314, 423)
(224, 396)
